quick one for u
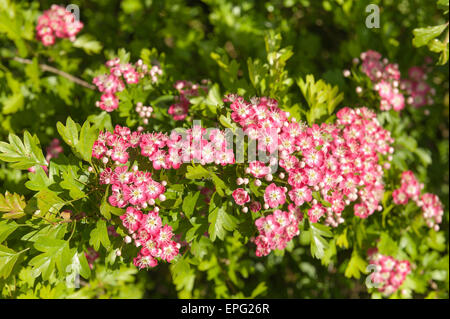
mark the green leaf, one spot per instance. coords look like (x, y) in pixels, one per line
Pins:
(49, 202)
(183, 275)
(260, 289)
(214, 98)
(197, 172)
(38, 180)
(318, 243)
(56, 255)
(12, 205)
(220, 220)
(22, 155)
(69, 133)
(88, 136)
(6, 229)
(88, 44)
(99, 235)
(341, 240)
(189, 202)
(424, 35)
(13, 103)
(8, 259)
(387, 246)
(355, 266)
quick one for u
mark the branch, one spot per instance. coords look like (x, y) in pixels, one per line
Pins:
(48, 68)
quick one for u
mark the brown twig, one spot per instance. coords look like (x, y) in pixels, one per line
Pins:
(48, 68)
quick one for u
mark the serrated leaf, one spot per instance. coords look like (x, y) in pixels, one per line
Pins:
(12, 205)
(355, 266)
(49, 202)
(88, 136)
(22, 155)
(220, 220)
(69, 133)
(8, 259)
(99, 235)
(318, 243)
(56, 254)
(189, 202)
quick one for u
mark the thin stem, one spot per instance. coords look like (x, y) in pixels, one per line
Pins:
(48, 68)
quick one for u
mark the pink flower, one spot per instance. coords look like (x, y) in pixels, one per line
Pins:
(255, 207)
(274, 195)
(241, 196)
(316, 212)
(132, 219)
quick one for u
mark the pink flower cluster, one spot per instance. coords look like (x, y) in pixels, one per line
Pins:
(164, 151)
(136, 190)
(186, 89)
(110, 84)
(338, 161)
(420, 93)
(410, 188)
(57, 22)
(386, 77)
(276, 230)
(390, 273)
(391, 88)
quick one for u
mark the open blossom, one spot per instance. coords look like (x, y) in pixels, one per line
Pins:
(57, 22)
(274, 195)
(315, 213)
(241, 196)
